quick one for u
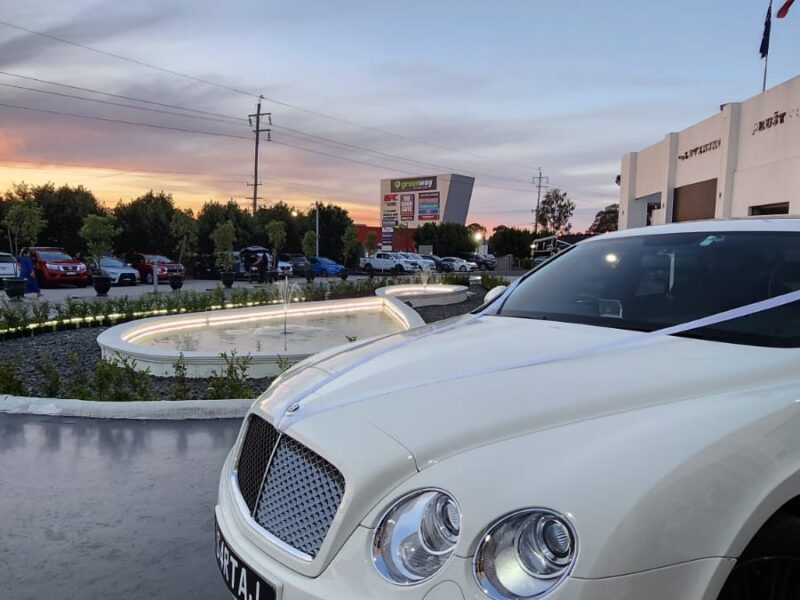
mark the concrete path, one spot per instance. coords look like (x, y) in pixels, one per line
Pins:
(96, 508)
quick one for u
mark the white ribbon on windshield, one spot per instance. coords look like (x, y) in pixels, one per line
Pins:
(291, 412)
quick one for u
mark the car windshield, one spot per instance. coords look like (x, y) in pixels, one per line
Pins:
(157, 259)
(107, 261)
(649, 282)
(7, 258)
(52, 255)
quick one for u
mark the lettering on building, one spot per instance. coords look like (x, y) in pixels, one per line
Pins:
(775, 120)
(697, 150)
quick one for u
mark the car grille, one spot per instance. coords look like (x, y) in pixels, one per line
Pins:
(290, 491)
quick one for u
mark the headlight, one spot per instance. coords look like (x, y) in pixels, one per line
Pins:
(416, 537)
(525, 555)
(52, 267)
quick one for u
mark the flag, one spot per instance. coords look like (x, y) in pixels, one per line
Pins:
(784, 10)
(767, 28)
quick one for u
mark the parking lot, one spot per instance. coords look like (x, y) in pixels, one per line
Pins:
(110, 508)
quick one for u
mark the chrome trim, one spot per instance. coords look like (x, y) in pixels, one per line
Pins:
(245, 510)
(486, 586)
(375, 555)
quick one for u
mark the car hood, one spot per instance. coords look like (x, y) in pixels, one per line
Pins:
(464, 386)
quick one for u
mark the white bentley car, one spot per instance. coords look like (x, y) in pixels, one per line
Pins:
(630, 432)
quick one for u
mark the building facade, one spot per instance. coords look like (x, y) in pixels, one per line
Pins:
(742, 161)
(410, 202)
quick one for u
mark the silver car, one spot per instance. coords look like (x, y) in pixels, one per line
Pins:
(120, 272)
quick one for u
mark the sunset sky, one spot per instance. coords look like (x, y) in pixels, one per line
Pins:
(495, 88)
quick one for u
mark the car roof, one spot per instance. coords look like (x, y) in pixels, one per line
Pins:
(710, 226)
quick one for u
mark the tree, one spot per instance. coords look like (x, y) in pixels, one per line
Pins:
(223, 238)
(184, 232)
(65, 210)
(333, 221)
(23, 223)
(98, 233)
(280, 211)
(310, 243)
(511, 240)
(146, 224)
(276, 231)
(215, 213)
(606, 220)
(447, 239)
(349, 245)
(371, 242)
(555, 211)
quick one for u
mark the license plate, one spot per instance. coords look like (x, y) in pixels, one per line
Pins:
(240, 579)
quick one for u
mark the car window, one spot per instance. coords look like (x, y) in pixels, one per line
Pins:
(111, 262)
(53, 255)
(4, 258)
(654, 281)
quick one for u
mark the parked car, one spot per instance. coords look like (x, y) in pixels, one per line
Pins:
(484, 262)
(459, 264)
(425, 264)
(8, 265)
(53, 266)
(438, 264)
(631, 431)
(300, 264)
(120, 272)
(322, 267)
(387, 262)
(250, 257)
(165, 267)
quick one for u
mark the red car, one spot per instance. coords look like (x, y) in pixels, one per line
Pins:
(164, 266)
(53, 266)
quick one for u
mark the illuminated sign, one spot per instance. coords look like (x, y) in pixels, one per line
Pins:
(429, 206)
(416, 184)
(407, 207)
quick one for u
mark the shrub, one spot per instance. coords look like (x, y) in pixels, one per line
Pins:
(10, 381)
(455, 279)
(52, 379)
(231, 380)
(492, 281)
(180, 389)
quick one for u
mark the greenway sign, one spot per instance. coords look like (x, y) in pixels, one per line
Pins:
(416, 184)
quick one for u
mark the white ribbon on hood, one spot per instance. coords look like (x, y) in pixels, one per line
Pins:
(291, 410)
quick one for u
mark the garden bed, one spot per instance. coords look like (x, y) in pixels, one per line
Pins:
(65, 364)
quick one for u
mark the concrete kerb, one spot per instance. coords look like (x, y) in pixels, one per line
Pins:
(161, 410)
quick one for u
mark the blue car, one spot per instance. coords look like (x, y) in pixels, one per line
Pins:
(323, 267)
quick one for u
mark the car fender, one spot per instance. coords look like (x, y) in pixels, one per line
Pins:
(644, 489)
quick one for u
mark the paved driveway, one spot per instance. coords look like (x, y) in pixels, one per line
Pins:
(95, 508)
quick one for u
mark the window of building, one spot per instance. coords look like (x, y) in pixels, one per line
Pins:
(780, 208)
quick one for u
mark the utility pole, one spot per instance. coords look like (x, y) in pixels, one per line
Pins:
(257, 116)
(537, 181)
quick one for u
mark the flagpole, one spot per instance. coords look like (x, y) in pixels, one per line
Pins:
(766, 64)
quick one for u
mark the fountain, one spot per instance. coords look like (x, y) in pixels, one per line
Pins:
(272, 335)
(422, 294)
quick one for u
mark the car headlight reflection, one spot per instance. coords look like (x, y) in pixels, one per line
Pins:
(416, 537)
(525, 555)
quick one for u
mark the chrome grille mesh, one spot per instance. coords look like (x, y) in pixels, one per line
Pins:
(301, 495)
(259, 442)
(301, 492)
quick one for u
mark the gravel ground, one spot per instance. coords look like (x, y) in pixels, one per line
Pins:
(63, 348)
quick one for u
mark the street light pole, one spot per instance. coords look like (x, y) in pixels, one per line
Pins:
(316, 205)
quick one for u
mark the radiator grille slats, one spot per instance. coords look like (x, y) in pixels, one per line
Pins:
(301, 492)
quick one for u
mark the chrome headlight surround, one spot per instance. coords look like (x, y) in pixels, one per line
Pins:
(525, 555)
(416, 537)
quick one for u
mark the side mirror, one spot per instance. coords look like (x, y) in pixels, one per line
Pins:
(494, 293)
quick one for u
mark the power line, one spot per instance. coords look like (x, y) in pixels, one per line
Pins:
(238, 91)
(128, 59)
(122, 122)
(110, 103)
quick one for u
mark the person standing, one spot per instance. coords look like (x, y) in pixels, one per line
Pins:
(26, 272)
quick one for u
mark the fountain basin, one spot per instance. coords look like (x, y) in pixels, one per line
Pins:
(157, 343)
(419, 294)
